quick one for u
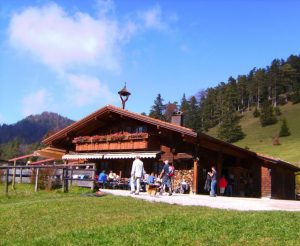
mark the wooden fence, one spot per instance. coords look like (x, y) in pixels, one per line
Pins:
(67, 174)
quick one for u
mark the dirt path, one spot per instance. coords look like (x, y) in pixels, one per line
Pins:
(234, 203)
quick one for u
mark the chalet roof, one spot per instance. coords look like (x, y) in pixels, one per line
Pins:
(109, 108)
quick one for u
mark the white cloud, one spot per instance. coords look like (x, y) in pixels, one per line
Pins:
(86, 90)
(35, 103)
(61, 40)
(153, 18)
(65, 42)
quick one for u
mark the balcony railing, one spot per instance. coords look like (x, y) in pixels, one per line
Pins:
(117, 141)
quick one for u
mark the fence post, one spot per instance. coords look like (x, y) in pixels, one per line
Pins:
(93, 177)
(36, 180)
(6, 181)
(66, 180)
(71, 182)
(14, 175)
(63, 179)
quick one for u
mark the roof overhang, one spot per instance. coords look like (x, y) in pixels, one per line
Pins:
(49, 152)
(111, 155)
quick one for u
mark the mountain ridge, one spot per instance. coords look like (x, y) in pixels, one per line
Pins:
(33, 128)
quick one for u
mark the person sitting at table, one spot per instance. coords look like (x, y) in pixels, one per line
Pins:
(111, 176)
(102, 179)
(151, 179)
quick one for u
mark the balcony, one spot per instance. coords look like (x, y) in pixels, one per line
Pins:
(117, 141)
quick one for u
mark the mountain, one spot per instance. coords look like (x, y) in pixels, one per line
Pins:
(33, 128)
(260, 139)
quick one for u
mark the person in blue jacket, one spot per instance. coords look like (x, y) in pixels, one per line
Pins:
(102, 180)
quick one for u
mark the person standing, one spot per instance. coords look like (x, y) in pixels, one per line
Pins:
(102, 180)
(166, 179)
(222, 184)
(137, 172)
(213, 175)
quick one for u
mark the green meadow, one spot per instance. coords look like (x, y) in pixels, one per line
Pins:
(78, 218)
(259, 139)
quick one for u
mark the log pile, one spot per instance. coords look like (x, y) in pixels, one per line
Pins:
(187, 175)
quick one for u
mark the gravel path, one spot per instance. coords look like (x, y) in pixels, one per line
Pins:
(232, 203)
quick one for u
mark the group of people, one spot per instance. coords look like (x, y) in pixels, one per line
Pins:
(103, 178)
(211, 183)
(243, 186)
(138, 172)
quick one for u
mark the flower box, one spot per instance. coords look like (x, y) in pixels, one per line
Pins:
(124, 145)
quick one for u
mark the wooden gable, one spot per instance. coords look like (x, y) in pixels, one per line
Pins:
(110, 120)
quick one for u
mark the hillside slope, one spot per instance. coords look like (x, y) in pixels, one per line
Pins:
(33, 128)
(259, 139)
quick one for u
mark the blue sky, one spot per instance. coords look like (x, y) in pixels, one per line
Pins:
(71, 57)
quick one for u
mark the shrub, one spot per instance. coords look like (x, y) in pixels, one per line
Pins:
(46, 180)
(284, 131)
(256, 113)
(267, 116)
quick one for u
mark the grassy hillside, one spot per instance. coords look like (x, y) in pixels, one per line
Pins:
(259, 138)
(53, 218)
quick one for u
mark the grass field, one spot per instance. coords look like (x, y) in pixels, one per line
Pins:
(55, 218)
(259, 138)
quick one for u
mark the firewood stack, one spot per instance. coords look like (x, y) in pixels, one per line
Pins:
(187, 175)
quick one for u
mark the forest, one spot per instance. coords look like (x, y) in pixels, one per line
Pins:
(261, 90)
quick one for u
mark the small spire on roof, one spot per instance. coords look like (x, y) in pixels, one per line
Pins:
(124, 94)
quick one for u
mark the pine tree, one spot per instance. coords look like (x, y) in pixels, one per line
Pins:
(267, 116)
(192, 119)
(157, 110)
(284, 130)
(230, 130)
(184, 104)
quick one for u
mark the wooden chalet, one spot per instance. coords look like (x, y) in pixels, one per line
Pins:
(111, 137)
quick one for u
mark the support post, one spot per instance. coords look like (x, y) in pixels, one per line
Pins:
(6, 181)
(36, 180)
(266, 182)
(195, 178)
(14, 175)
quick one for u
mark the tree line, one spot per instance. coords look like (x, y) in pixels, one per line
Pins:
(263, 89)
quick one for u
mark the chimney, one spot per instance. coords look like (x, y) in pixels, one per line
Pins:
(177, 118)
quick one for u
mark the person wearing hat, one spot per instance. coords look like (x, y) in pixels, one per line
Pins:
(137, 172)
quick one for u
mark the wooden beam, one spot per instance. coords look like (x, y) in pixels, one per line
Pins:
(36, 180)
(224, 149)
(195, 178)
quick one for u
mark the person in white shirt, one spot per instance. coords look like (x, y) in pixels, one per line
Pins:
(137, 172)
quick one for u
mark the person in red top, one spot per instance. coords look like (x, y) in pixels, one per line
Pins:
(222, 185)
